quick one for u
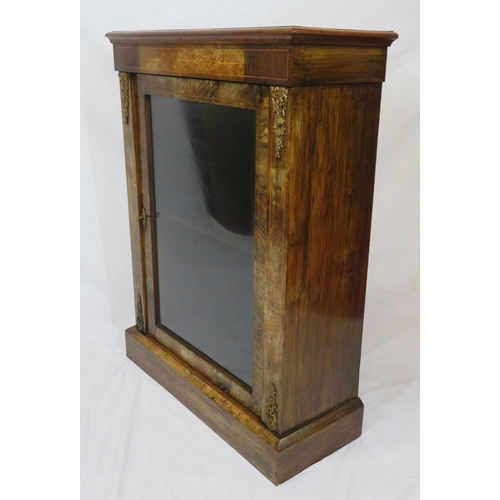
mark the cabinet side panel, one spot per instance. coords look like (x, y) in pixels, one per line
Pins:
(332, 151)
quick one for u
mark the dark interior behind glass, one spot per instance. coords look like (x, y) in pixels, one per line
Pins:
(204, 168)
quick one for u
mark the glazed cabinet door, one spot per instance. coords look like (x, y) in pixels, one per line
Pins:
(202, 212)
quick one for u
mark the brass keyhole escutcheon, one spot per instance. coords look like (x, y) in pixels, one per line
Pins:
(143, 217)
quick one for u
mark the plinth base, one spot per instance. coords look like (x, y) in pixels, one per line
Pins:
(277, 457)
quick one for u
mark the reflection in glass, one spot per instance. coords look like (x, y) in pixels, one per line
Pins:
(204, 167)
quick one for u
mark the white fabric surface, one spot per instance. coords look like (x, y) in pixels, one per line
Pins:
(138, 441)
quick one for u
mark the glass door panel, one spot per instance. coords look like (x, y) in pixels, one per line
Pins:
(204, 169)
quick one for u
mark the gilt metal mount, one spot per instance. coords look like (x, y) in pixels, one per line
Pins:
(279, 96)
(271, 417)
(124, 91)
(139, 317)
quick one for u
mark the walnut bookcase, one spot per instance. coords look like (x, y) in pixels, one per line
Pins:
(250, 159)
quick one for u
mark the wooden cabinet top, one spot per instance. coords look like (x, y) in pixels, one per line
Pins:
(288, 56)
(286, 35)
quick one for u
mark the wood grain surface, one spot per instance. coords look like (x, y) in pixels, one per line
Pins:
(279, 35)
(134, 189)
(288, 56)
(325, 65)
(227, 94)
(274, 65)
(331, 157)
(276, 458)
(316, 94)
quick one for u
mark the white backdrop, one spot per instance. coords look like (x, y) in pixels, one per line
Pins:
(138, 442)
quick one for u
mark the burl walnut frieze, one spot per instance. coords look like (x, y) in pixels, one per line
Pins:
(280, 56)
